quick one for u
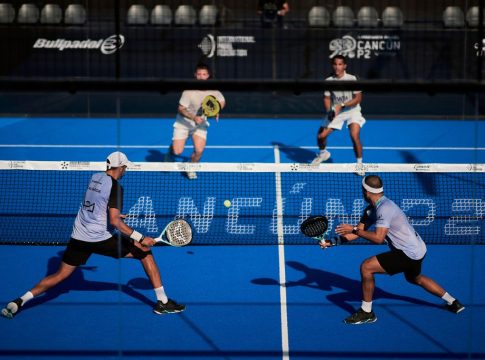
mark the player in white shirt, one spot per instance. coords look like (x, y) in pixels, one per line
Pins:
(407, 249)
(99, 213)
(341, 107)
(189, 120)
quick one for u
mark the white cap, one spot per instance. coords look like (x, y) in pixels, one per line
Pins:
(117, 159)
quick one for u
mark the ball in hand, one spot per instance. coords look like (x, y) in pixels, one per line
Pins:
(227, 203)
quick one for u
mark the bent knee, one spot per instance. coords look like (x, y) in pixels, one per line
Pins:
(413, 279)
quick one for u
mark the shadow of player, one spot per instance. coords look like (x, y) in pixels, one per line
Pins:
(77, 282)
(328, 281)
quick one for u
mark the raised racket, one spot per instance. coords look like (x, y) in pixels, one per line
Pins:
(176, 233)
(315, 227)
(210, 108)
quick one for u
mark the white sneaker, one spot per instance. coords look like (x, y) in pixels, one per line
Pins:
(323, 156)
(191, 175)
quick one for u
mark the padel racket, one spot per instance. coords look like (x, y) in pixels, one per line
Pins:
(316, 227)
(210, 108)
(176, 233)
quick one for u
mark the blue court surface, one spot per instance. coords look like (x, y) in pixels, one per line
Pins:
(237, 307)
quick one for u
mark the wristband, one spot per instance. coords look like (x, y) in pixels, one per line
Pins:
(135, 235)
(342, 105)
(355, 230)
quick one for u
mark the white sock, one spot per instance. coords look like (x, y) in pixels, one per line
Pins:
(323, 151)
(26, 297)
(448, 298)
(366, 306)
(161, 296)
(359, 160)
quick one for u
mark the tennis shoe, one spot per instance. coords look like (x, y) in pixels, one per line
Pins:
(455, 307)
(171, 307)
(323, 156)
(361, 317)
(12, 308)
(191, 175)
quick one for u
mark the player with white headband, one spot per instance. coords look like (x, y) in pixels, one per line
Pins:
(406, 255)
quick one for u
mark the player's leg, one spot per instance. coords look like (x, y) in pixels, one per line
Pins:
(130, 249)
(199, 138)
(179, 138)
(355, 122)
(434, 288)
(354, 130)
(365, 314)
(368, 268)
(324, 154)
(14, 306)
(177, 147)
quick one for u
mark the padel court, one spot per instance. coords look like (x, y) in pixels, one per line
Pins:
(236, 306)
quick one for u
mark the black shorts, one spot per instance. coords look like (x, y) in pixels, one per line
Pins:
(396, 261)
(78, 252)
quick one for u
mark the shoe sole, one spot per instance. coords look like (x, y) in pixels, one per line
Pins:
(7, 313)
(459, 310)
(168, 312)
(362, 322)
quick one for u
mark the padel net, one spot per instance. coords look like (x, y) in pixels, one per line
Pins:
(444, 202)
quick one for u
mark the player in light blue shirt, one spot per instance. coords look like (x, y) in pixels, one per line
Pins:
(407, 249)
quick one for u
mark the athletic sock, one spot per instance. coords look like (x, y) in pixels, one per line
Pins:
(359, 160)
(366, 306)
(448, 298)
(26, 297)
(161, 296)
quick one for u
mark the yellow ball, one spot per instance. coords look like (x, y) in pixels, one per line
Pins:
(227, 203)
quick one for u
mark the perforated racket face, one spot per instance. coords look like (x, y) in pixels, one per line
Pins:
(179, 233)
(210, 106)
(314, 226)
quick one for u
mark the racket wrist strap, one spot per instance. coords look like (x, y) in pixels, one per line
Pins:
(135, 235)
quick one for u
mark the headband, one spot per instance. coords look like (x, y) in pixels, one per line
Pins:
(371, 189)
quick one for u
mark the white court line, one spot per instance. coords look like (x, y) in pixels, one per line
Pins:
(447, 148)
(281, 260)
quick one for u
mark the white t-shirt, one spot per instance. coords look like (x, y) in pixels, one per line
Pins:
(339, 97)
(192, 100)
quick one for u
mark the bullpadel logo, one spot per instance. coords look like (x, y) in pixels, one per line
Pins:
(107, 46)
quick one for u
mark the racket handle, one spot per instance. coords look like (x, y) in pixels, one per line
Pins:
(206, 121)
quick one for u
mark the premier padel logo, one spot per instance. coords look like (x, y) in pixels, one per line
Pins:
(107, 46)
(365, 46)
(225, 46)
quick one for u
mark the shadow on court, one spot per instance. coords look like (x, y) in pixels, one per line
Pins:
(158, 156)
(296, 154)
(427, 183)
(332, 282)
(77, 282)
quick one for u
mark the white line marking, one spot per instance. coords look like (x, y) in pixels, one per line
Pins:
(281, 260)
(239, 147)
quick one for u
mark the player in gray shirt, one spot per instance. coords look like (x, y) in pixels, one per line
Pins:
(407, 249)
(99, 213)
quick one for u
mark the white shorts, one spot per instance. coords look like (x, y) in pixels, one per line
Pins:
(182, 131)
(350, 116)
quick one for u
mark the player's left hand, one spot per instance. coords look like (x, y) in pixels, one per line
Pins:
(344, 229)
